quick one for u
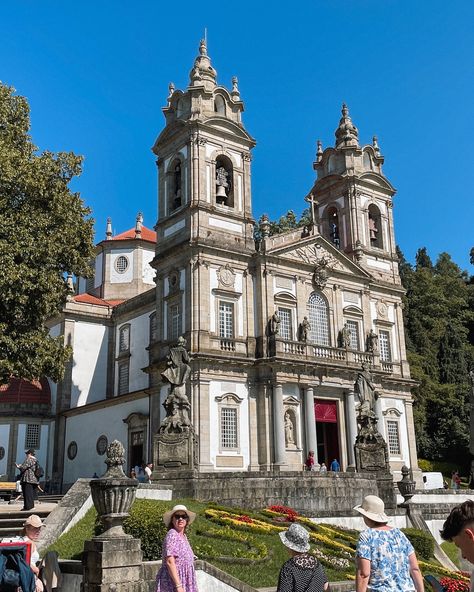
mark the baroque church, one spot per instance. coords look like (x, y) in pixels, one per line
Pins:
(277, 326)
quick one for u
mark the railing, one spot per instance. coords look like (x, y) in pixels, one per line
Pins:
(227, 345)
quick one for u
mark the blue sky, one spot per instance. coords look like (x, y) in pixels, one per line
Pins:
(96, 75)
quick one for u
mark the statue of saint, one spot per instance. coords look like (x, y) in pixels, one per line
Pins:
(372, 342)
(305, 328)
(345, 336)
(365, 390)
(176, 404)
(178, 369)
(289, 437)
(373, 230)
(274, 324)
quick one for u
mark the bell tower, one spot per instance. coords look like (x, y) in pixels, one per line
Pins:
(353, 200)
(204, 194)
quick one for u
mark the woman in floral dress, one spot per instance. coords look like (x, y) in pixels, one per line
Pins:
(177, 571)
(386, 560)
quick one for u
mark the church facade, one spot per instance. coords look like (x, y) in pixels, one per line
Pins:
(278, 326)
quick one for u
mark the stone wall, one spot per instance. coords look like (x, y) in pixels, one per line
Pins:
(308, 493)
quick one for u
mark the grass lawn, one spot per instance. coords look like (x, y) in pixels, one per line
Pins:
(452, 552)
(256, 558)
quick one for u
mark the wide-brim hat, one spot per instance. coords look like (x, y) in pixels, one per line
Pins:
(295, 538)
(373, 508)
(34, 520)
(167, 516)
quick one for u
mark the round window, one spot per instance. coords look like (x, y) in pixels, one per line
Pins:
(101, 445)
(72, 450)
(121, 264)
(2, 452)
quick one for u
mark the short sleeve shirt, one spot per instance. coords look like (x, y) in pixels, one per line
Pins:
(388, 552)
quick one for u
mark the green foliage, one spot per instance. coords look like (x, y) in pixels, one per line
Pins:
(45, 233)
(71, 544)
(452, 552)
(422, 542)
(146, 523)
(438, 321)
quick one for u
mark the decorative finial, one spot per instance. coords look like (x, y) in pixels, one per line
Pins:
(138, 225)
(376, 146)
(171, 89)
(203, 47)
(70, 284)
(319, 151)
(264, 224)
(202, 73)
(235, 88)
(347, 134)
(108, 229)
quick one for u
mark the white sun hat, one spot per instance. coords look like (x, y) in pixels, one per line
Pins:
(373, 508)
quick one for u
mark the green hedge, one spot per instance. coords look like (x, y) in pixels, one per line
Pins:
(422, 542)
(146, 523)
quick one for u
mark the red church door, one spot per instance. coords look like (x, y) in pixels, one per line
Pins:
(327, 431)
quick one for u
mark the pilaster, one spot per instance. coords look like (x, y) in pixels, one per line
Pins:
(278, 426)
(310, 422)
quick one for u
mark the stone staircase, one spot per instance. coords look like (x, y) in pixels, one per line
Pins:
(12, 518)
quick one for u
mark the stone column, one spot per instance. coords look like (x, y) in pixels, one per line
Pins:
(278, 426)
(310, 422)
(351, 426)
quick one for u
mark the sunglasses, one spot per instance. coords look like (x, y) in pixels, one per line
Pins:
(181, 517)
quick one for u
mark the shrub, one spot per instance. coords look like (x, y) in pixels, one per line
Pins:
(425, 465)
(146, 523)
(422, 542)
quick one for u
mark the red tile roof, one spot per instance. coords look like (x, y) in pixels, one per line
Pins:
(25, 391)
(89, 299)
(147, 235)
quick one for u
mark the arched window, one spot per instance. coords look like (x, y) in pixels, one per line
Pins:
(153, 327)
(333, 221)
(224, 181)
(375, 227)
(124, 339)
(175, 185)
(318, 319)
(219, 105)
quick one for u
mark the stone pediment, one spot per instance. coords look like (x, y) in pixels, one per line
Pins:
(316, 251)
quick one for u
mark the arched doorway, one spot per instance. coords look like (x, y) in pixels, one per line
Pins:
(327, 431)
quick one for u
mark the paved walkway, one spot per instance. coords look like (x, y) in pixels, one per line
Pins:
(6, 508)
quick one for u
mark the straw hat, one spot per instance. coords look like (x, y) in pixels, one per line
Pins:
(373, 508)
(34, 521)
(167, 516)
(295, 538)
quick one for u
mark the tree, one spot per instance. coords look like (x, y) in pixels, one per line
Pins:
(45, 233)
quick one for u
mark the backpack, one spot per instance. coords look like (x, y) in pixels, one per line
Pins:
(39, 471)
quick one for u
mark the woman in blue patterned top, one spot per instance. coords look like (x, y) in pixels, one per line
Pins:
(386, 560)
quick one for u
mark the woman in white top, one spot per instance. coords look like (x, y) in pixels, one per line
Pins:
(31, 533)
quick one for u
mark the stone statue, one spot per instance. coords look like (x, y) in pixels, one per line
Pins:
(177, 403)
(373, 230)
(305, 328)
(289, 437)
(365, 390)
(372, 342)
(345, 336)
(274, 324)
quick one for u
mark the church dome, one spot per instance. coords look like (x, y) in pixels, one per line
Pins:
(26, 392)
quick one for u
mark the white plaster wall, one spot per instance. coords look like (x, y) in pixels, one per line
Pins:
(98, 270)
(127, 276)
(48, 468)
(139, 340)
(399, 405)
(53, 387)
(86, 428)
(217, 389)
(5, 442)
(20, 443)
(89, 371)
(148, 273)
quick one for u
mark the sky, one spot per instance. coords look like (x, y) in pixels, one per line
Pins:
(96, 75)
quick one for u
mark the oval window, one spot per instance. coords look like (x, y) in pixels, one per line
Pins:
(121, 264)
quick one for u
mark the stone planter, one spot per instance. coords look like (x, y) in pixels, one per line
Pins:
(406, 486)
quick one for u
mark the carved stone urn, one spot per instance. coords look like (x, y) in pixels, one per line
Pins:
(114, 493)
(406, 486)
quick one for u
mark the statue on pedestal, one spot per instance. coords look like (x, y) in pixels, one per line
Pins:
(304, 329)
(176, 403)
(345, 337)
(372, 342)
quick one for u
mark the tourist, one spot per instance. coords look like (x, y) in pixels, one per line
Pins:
(177, 571)
(335, 466)
(455, 480)
(302, 572)
(30, 534)
(459, 528)
(323, 468)
(385, 558)
(28, 479)
(148, 472)
(310, 461)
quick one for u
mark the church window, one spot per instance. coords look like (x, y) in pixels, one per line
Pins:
(354, 339)
(318, 319)
(224, 181)
(153, 327)
(32, 438)
(175, 321)
(333, 221)
(375, 227)
(175, 185)
(124, 339)
(286, 325)
(123, 377)
(393, 436)
(229, 428)
(226, 320)
(219, 105)
(121, 264)
(384, 346)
